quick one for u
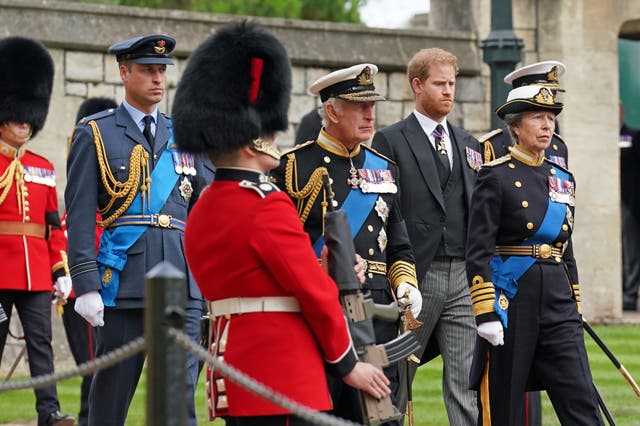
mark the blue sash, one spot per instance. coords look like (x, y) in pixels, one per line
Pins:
(358, 204)
(505, 274)
(115, 243)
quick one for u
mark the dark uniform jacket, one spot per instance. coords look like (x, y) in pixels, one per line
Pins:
(31, 237)
(497, 143)
(261, 250)
(90, 186)
(508, 206)
(630, 169)
(424, 211)
(381, 238)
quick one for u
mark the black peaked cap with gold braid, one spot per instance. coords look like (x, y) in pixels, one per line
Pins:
(236, 87)
(26, 81)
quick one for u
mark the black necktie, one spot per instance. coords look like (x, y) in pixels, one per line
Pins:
(147, 129)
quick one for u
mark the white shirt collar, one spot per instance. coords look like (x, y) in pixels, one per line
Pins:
(138, 115)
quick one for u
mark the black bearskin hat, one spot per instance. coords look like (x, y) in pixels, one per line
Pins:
(26, 73)
(236, 87)
(91, 106)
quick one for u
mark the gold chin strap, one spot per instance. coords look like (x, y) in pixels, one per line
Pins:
(265, 147)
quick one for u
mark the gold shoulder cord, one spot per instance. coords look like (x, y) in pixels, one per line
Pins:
(489, 153)
(138, 166)
(309, 192)
(15, 171)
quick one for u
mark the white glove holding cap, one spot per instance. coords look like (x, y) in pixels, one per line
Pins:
(62, 287)
(414, 296)
(90, 307)
(492, 331)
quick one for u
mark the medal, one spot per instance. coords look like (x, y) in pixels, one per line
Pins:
(382, 239)
(382, 209)
(186, 190)
(353, 180)
(176, 162)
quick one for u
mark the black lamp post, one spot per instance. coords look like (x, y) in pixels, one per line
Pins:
(501, 51)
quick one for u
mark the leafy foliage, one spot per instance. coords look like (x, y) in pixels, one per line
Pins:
(315, 10)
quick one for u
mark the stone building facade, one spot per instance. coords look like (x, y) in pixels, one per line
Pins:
(581, 33)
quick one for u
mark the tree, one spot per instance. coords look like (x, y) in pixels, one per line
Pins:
(316, 10)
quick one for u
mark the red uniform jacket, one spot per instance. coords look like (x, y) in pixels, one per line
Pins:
(244, 239)
(31, 239)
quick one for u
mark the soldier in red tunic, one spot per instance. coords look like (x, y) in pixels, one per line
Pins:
(275, 312)
(32, 244)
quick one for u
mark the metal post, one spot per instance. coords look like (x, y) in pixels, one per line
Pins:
(165, 298)
(501, 51)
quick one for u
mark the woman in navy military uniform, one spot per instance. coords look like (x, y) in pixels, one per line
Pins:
(523, 276)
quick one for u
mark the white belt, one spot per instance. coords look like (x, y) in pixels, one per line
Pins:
(245, 305)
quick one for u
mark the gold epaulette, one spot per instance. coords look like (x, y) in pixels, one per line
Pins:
(138, 167)
(297, 147)
(384, 157)
(489, 135)
(305, 197)
(498, 161)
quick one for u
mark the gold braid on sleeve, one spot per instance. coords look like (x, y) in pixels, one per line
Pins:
(402, 271)
(309, 192)
(138, 167)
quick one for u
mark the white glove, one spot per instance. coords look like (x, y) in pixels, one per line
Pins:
(90, 307)
(414, 296)
(492, 331)
(62, 287)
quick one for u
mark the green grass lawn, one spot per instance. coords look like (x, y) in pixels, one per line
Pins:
(18, 406)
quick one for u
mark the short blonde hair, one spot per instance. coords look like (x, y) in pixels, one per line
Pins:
(420, 63)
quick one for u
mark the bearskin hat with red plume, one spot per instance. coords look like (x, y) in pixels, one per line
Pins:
(26, 73)
(236, 87)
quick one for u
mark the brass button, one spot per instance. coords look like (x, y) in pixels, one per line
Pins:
(164, 221)
(371, 252)
(525, 204)
(565, 227)
(327, 159)
(518, 184)
(555, 147)
(512, 166)
(559, 244)
(529, 225)
(552, 171)
(558, 259)
(27, 218)
(370, 228)
(370, 275)
(26, 208)
(334, 203)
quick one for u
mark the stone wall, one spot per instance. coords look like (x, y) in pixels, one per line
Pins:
(580, 33)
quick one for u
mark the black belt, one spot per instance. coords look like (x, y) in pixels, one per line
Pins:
(156, 220)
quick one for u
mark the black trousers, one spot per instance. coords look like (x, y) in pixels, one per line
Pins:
(113, 388)
(630, 258)
(81, 339)
(543, 349)
(34, 311)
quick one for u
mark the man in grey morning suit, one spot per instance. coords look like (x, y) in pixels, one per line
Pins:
(438, 163)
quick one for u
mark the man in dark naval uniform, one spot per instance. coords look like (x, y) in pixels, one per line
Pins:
(364, 186)
(124, 163)
(497, 143)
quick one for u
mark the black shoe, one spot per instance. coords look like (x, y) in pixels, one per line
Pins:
(58, 419)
